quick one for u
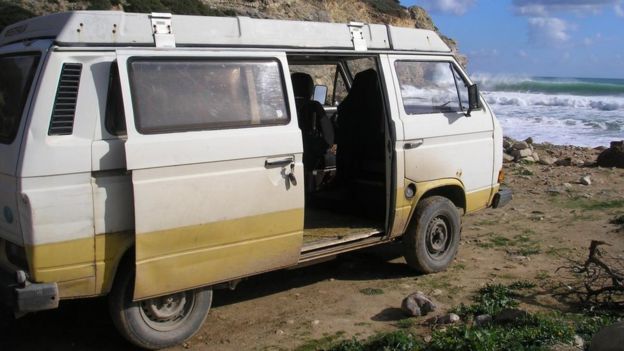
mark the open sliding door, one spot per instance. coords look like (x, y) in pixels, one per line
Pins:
(216, 161)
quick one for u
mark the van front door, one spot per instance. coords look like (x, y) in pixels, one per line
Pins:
(216, 161)
(441, 141)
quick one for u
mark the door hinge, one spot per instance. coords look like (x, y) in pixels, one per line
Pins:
(357, 36)
(163, 33)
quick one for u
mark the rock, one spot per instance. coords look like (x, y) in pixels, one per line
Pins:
(417, 304)
(567, 185)
(521, 153)
(436, 292)
(528, 159)
(315, 322)
(508, 158)
(507, 143)
(535, 156)
(450, 318)
(510, 315)
(547, 160)
(279, 332)
(564, 162)
(613, 156)
(528, 140)
(483, 320)
(579, 342)
(520, 145)
(610, 338)
(585, 180)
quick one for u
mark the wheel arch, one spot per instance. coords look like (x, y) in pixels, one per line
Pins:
(451, 188)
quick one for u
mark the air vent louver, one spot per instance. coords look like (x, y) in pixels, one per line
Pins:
(62, 121)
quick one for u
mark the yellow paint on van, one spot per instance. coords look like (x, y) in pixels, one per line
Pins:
(109, 249)
(480, 199)
(179, 259)
(61, 261)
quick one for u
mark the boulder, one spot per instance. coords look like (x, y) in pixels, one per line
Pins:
(547, 160)
(610, 338)
(613, 156)
(450, 318)
(521, 153)
(510, 315)
(507, 158)
(417, 304)
(535, 156)
(520, 145)
(483, 320)
(528, 140)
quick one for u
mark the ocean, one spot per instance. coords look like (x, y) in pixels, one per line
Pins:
(565, 111)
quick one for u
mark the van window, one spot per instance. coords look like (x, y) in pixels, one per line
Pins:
(361, 64)
(16, 76)
(115, 119)
(181, 94)
(428, 87)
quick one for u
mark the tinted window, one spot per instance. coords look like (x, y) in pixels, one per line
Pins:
(185, 94)
(115, 119)
(16, 76)
(427, 87)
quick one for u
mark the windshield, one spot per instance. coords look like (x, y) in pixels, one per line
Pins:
(16, 76)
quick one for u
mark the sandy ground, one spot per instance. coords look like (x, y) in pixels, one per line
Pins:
(552, 218)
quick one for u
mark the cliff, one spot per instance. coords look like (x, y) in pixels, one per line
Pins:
(369, 11)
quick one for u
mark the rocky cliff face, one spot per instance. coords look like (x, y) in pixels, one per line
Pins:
(368, 11)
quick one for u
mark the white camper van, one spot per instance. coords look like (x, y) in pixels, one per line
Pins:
(153, 158)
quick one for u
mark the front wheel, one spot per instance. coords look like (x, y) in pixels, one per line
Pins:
(432, 238)
(158, 322)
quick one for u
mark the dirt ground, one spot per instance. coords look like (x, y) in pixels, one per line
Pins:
(551, 218)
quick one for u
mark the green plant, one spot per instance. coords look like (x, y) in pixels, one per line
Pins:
(493, 298)
(533, 333)
(10, 14)
(99, 5)
(372, 291)
(393, 341)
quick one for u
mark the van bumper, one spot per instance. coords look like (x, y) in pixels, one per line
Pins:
(27, 297)
(502, 198)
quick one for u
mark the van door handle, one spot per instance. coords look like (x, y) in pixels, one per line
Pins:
(413, 144)
(279, 162)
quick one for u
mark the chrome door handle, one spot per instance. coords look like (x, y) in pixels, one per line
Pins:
(413, 144)
(279, 162)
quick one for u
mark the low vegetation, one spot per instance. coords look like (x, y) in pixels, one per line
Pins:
(532, 331)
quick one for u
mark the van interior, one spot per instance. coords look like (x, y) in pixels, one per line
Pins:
(341, 114)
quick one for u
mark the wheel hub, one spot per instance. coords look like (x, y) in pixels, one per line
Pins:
(166, 312)
(437, 237)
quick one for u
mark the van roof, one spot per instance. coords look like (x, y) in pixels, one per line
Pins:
(118, 29)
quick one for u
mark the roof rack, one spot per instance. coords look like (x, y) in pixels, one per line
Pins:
(115, 28)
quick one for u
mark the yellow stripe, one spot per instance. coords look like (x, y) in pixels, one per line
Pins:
(184, 258)
(62, 261)
(480, 199)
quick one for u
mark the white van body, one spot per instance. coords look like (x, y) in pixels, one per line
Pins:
(191, 203)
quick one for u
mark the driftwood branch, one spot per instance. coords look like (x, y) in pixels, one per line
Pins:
(600, 278)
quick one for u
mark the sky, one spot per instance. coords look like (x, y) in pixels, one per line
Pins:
(552, 38)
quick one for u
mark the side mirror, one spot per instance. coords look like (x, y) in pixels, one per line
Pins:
(474, 100)
(320, 93)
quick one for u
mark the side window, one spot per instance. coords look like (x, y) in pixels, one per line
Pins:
(115, 119)
(462, 87)
(181, 94)
(16, 76)
(427, 87)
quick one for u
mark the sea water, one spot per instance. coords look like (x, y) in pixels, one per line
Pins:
(565, 111)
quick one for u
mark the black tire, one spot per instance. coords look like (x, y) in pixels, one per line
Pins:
(432, 238)
(159, 322)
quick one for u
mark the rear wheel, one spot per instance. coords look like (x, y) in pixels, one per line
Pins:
(432, 238)
(158, 322)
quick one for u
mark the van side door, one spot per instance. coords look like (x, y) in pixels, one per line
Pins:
(216, 160)
(440, 140)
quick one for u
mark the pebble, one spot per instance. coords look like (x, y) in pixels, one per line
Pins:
(585, 180)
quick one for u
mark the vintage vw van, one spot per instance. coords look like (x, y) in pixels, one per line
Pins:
(153, 158)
